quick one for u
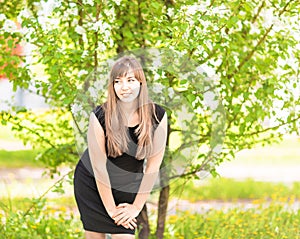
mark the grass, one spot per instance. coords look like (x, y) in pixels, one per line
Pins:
(19, 159)
(23, 203)
(41, 222)
(231, 190)
(272, 222)
(276, 221)
(286, 152)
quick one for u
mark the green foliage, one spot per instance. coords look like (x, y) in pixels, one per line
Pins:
(273, 221)
(41, 222)
(53, 219)
(50, 131)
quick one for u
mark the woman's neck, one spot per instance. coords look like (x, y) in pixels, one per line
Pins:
(129, 108)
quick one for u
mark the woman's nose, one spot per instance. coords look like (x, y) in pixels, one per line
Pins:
(124, 85)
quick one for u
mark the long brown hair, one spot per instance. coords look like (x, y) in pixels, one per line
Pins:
(116, 130)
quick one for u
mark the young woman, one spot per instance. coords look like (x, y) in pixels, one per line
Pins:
(125, 133)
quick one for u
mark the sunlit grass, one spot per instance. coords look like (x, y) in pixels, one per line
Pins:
(23, 203)
(285, 152)
(36, 219)
(274, 221)
(19, 159)
(231, 190)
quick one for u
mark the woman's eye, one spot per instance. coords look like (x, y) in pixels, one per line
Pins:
(117, 81)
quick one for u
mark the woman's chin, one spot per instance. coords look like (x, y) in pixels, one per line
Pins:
(127, 99)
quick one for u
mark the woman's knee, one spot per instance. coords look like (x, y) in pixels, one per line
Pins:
(122, 236)
(94, 235)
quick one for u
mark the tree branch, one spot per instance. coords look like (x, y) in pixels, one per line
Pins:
(271, 128)
(206, 161)
(261, 40)
(258, 12)
(80, 22)
(75, 121)
(34, 133)
(47, 191)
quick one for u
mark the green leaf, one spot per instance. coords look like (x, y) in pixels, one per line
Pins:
(155, 5)
(191, 98)
(10, 43)
(127, 33)
(44, 49)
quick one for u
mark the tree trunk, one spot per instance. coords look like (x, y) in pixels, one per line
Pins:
(143, 224)
(162, 211)
(163, 197)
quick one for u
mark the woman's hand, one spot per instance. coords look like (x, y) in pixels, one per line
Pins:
(125, 215)
(111, 212)
(132, 224)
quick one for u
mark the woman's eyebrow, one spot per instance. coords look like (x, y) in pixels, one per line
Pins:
(128, 77)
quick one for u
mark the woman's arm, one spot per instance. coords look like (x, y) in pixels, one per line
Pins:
(126, 212)
(96, 146)
(153, 163)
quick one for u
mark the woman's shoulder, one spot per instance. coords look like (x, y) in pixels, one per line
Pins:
(159, 111)
(99, 110)
(100, 114)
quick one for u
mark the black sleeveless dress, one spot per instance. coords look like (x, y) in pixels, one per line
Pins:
(125, 173)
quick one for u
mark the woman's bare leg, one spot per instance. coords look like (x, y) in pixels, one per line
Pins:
(94, 235)
(122, 236)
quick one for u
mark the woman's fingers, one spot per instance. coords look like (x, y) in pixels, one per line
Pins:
(118, 212)
(131, 224)
(119, 219)
(125, 219)
(124, 214)
(122, 205)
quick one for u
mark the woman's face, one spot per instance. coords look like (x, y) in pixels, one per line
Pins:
(127, 88)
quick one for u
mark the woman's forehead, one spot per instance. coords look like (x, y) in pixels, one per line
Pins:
(124, 73)
(127, 75)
